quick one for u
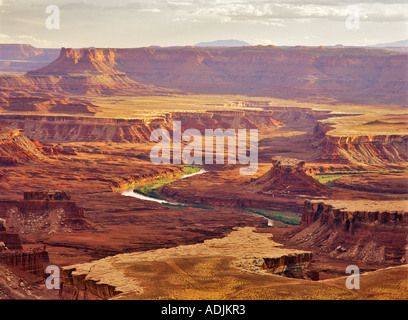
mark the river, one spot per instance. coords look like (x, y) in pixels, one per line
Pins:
(131, 193)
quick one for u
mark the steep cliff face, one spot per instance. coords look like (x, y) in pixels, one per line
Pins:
(270, 70)
(82, 61)
(70, 129)
(12, 254)
(10, 240)
(29, 261)
(359, 150)
(369, 234)
(373, 76)
(291, 265)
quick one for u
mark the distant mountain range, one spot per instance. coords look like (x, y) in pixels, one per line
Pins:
(223, 43)
(402, 43)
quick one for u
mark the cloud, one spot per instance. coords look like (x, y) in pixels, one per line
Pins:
(278, 13)
(4, 38)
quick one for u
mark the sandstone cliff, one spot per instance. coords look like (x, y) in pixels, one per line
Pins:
(346, 74)
(377, 149)
(77, 128)
(366, 231)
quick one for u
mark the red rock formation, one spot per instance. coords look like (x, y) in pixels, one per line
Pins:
(47, 195)
(369, 236)
(16, 51)
(291, 263)
(11, 253)
(76, 128)
(43, 211)
(287, 177)
(76, 287)
(359, 150)
(31, 262)
(347, 74)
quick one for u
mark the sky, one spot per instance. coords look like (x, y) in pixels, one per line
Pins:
(140, 23)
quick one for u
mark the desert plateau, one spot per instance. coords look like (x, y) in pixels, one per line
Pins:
(81, 194)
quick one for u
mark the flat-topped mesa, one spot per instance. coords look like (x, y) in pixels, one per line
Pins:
(82, 61)
(107, 55)
(379, 148)
(56, 129)
(314, 73)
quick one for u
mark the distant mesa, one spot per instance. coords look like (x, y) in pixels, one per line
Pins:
(223, 43)
(316, 73)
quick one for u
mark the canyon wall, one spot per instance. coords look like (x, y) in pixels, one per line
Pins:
(295, 264)
(28, 261)
(47, 104)
(367, 234)
(378, 149)
(76, 287)
(86, 129)
(349, 74)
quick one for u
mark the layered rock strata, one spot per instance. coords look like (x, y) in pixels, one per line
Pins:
(287, 177)
(360, 230)
(43, 211)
